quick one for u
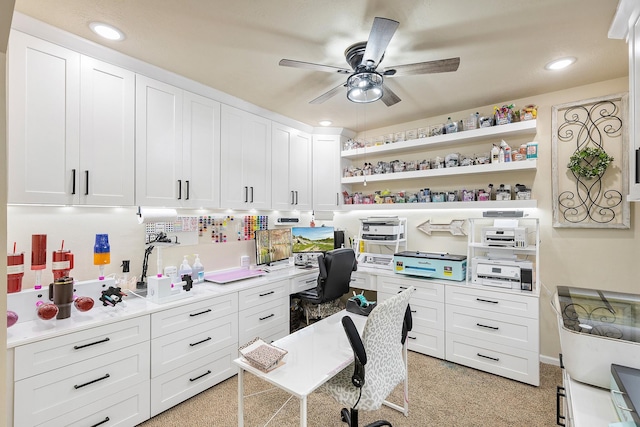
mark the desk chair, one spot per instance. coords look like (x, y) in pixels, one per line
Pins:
(383, 347)
(333, 279)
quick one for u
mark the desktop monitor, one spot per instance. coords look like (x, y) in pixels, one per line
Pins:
(272, 246)
(312, 239)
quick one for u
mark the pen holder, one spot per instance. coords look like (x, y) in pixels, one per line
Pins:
(353, 306)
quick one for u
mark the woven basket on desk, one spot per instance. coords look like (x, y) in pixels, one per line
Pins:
(261, 355)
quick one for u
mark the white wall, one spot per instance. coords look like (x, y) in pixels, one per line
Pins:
(591, 258)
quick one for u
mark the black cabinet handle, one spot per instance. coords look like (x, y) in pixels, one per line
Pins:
(251, 194)
(101, 422)
(495, 328)
(179, 189)
(292, 198)
(559, 394)
(488, 357)
(73, 181)
(246, 194)
(187, 190)
(268, 293)
(78, 347)
(266, 317)
(486, 300)
(86, 183)
(411, 338)
(637, 165)
(337, 199)
(77, 386)
(200, 376)
(561, 362)
(296, 197)
(198, 314)
(200, 342)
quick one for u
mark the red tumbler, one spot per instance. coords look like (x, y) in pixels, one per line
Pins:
(15, 272)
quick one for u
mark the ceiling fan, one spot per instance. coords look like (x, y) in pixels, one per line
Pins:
(365, 82)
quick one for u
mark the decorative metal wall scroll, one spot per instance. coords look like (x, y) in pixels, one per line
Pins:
(589, 166)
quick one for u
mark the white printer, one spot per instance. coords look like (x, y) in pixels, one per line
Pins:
(508, 237)
(503, 273)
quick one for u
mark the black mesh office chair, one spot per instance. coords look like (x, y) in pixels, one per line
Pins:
(333, 279)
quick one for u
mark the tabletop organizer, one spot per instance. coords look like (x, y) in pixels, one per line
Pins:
(261, 355)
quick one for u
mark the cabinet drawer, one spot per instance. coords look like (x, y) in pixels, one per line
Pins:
(188, 380)
(126, 408)
(303, 283)
(517, 364)
(52, 394)
(186, 316)
(514, 331)
(424, 313)
(171, 351)
(426, 341)
(496, 301)
(362, 281)
(54, 353)
(264, 294)
(255, 321)
(425, 288)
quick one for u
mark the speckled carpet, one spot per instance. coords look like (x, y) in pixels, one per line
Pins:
(440, 394)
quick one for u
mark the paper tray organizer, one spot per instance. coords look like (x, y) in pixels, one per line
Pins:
(261, 355)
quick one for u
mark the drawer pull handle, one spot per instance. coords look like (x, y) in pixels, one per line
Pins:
(266, 317)
(489, 357)
(106, 420)
(495, 328)
(414, 311)
(200, 376)
(77, 386)
(411, 338)
(559, 417)
(78, 347)
(310, 281)
(403, 287)
(198, 314)
(268, 293)
(486, 300)
(199, 342)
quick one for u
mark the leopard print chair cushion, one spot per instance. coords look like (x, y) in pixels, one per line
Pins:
(385, 367)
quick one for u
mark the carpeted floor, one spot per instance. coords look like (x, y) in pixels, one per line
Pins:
(440, 394)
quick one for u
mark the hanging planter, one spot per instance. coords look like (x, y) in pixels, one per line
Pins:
(589, 162)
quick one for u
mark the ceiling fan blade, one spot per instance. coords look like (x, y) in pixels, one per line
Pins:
(381, 33)
(429, 67)
(312, 66)
(388, 96)
(327, 95)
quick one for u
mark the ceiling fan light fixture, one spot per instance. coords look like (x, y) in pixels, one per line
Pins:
(364, 86)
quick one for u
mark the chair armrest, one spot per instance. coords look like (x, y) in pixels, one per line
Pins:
(322, 267)
(354, 339)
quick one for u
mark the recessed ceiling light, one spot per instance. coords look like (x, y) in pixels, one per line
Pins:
(559, 64)
(325, 122)
(107, 31)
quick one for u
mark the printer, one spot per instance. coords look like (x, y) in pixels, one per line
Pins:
(434, 265)
(508, 237)
(382, 228)
(502, 273)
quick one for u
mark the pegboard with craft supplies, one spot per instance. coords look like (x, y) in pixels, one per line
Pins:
(225, 228)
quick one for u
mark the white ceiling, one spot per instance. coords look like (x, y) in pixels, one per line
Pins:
(235, 46)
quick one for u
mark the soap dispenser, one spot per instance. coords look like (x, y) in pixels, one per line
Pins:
(185, 268)
(198, 270)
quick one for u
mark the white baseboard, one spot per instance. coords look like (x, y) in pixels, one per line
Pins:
(550, 360)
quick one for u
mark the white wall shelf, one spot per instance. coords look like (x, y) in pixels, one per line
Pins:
(527, 127)
(523, 165)
(494, 204)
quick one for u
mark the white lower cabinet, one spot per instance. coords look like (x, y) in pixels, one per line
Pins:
(264, 312)
(427, 310)
(82, 373)
(494, 331)
(192, 348)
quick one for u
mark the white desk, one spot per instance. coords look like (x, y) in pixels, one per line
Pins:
(315, 354)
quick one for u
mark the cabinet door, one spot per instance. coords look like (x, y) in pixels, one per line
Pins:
(106, 134)
(282, 195)
(634, 105)
(326, 173)
(245, 160)
(158, 143)
(43, 121)
(201, 152)
(300, 170)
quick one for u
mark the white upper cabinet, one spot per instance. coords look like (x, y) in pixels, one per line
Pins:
(290, 169)
(177, 146)
(107, 97)
(326, 173)
(626, 25)
(245, 150)
(70, 127)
